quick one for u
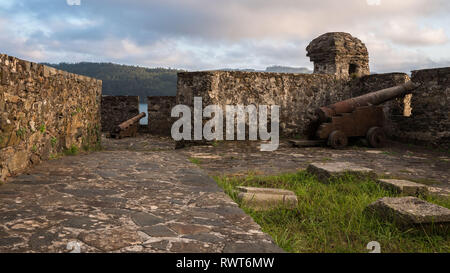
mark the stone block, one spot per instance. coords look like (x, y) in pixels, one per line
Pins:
(117, 109)
(403, 186)
(411, 212)
(326, 172)
(41, 98)
(266, 198)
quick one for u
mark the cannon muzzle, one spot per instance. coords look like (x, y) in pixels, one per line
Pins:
(127, 128)
(374, 98)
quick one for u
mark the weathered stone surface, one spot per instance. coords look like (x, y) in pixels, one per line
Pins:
(145, 219)
(159, 231)
(307, 143)
(43, 112)
(403, 186)
(152, 200)
(299, 95)
(196, 247)
(265, 190)
(410, 211)
(398, 160)
(183, 229)
(266, 198)
(117, 109)
(340, 54)
(326, 172)
(441, 192)
(429, 122)
(110, 239)
(159, 114)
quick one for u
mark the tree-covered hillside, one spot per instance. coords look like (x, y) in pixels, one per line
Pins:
(143, 82)
(127, 80)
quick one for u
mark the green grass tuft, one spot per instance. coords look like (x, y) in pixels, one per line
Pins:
(330, 217)
(73, 150)
(195, 161)
(53, 141)
(42, 128)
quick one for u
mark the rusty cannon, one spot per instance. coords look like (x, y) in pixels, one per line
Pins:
(127, 128)
(362, 116)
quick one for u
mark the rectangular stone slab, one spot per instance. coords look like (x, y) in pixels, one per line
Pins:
(327, 171)
(266, 198)
(403, 186)
(265, 190)
(411, 211)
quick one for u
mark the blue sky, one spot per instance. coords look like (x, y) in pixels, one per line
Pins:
(401, 35)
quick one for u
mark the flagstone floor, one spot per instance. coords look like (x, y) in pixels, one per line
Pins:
(142, 195)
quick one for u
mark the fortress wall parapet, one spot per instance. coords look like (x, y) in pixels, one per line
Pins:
(159, 114)
(117, 109)
(43, 112)
(298, 95)
(429, 122)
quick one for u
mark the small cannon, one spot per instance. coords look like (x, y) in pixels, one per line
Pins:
(358, 117)
(127, 128)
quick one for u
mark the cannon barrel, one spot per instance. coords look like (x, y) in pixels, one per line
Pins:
(127, 128)
(374, 98)
(124, 125)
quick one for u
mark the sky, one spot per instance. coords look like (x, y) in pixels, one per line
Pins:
(401, 35)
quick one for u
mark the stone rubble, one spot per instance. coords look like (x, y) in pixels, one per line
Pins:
(404, 186)
(411, 212)
(326, 172)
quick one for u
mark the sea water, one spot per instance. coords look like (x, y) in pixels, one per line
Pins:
(143, 108)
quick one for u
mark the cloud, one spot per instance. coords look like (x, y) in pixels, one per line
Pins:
(373, 2)
(73, 2)
(411, 34)
(206, 34)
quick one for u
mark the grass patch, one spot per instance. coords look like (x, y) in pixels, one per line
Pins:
(21, 132)
(425, 181)
(53, 141)
(330, 217)
(195, 161)
(73, 150)
(42, 128)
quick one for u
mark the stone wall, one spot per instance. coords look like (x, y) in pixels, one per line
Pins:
(340, 54)
(394, 109)
(44, 112)
(159, 114)
(117, 109)
(375, 82)
(429, 122)
(298, 95)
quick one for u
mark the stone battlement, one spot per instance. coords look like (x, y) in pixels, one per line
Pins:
(44, 112)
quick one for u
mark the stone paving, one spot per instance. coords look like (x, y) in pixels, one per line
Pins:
(397, 161)
(124, 200)
(141, 195)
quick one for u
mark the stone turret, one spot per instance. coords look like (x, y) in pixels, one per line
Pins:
(340, 54)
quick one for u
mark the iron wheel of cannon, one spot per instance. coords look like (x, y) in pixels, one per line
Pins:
(337, 140)
(376, 137)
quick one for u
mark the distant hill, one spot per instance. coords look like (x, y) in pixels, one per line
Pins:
(287, 69)
(275, 69)
(127, 80)
(143, 82)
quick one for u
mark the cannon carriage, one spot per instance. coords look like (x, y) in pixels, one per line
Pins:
(358, 117)
(127, 128)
